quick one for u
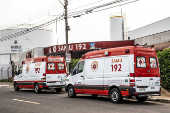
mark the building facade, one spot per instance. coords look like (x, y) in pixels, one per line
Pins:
(156, 34)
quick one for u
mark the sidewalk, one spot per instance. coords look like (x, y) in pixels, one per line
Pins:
(165, 96)
(8, 84)
(165, 99)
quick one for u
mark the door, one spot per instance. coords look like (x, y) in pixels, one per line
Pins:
(53, 78)
(117, 69)
(94, 76)
(147, 74)
(78, 77)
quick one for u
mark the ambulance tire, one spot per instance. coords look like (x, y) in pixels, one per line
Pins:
(141, 99)
(37, 89)
(115, 96)
(16, 88)
(71, 92)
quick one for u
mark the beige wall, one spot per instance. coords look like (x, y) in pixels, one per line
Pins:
(159, 39)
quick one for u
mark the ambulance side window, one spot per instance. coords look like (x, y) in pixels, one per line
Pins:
(75, 71)
(79, 68)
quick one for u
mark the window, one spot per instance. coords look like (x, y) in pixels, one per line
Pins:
(60, 66)
(153, 62)
(80, 67)
(75, 71)
(51, 66)
(141, 62)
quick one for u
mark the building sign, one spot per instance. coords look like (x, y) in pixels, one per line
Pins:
(72, 47)
(92, 45)
(68, 57)
(87, 46)
(15, 48)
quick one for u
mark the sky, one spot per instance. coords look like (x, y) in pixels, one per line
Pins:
(92, 27)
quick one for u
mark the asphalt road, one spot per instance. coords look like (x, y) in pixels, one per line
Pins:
(50, 102)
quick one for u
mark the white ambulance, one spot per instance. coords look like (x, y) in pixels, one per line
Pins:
(42, 73)
(131, 71)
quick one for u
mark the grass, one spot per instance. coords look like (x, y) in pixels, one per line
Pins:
(6, 80)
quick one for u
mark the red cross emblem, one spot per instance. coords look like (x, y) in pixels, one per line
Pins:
(94, 65)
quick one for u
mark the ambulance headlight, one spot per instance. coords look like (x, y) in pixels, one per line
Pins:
(66, 79)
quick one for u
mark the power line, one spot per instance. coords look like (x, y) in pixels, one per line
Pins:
(86, 5)
(93, 9)
(116, 6)
(70, 15)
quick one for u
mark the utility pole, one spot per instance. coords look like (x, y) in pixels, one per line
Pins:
(66, 31)
(123, 27)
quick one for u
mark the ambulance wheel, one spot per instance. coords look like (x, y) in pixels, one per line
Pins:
(141, 99)
(16, 88)
(115, 96)
(37, 89)
(71, 92)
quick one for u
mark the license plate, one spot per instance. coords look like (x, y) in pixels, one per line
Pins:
(141, 89)
(152, 87)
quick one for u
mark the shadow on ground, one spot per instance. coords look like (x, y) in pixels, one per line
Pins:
(42, 92)
(106, 99)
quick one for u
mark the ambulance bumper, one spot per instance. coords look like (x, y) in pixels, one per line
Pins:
(133, 92)
(56, 86)
(47, 86)
(148, 94)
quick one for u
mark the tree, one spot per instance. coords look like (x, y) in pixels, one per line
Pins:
(73, 64)
(164, 64)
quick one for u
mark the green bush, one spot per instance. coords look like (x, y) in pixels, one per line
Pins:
(6, 80)
(164, 64)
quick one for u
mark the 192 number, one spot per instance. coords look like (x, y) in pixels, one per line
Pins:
(116, 67)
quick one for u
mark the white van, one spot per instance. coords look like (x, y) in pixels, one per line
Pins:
(42, 73)
(117, 73)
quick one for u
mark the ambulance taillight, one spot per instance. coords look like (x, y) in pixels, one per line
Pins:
(132, 82)
(132, 74)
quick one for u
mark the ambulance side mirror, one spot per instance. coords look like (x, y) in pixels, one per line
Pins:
(19, 72)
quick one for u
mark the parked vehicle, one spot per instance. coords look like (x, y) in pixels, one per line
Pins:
(118, 73)
(42, 73)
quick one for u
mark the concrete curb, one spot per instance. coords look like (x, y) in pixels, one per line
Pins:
(6, 84)
(159, 100)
